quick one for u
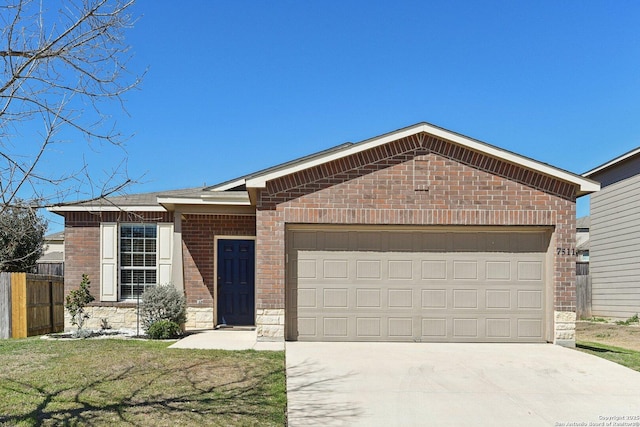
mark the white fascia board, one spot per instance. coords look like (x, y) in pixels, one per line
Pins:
(585, 185)
(228, 185)
(612, 162)
(213, 199)
(75, 208)
(261, 181)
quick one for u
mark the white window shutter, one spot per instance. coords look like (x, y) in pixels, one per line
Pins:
(165, 252)
(108, 261)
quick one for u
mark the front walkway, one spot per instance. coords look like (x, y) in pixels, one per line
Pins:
(227, 339)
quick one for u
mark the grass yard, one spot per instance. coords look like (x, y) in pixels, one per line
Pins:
(622, 356)
(133, 382)
(617, 342)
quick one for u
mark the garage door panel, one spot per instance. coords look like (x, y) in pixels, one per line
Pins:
(382, 295)
(368, 269)
(434, 328)
(465, 328)
(499, 328)
(530, 328)
(434, 298)
(434, 270)
(498, 270)
(369, 327)
(367, 298)
(529, 299)
(499, 299)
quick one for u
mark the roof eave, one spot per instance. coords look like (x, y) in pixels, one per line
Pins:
(96, 208)
(611, 163)
(585, 186)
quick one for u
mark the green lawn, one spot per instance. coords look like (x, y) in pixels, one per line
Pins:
(133, 382)
(622, 356)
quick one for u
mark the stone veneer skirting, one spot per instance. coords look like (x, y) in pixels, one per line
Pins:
(126, 318)
(565, 328)
(270, 324)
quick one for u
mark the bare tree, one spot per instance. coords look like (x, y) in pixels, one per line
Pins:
(64, 69)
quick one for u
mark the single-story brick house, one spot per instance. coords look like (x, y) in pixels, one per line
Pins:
(614, 237)
(421, 234)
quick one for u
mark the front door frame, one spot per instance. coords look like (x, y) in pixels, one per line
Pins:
(215, 273)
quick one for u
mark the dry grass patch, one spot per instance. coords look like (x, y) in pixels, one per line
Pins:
(130, 382)
(617, 342)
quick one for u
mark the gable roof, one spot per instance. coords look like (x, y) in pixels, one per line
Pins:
(234, 192)
(259, 179)
(613, 163)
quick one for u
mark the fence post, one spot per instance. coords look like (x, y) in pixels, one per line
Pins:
(19, 305)
(5, 305)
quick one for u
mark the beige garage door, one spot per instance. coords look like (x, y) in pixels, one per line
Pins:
(458, 285)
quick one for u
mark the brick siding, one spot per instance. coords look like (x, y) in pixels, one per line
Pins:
(82, 243)
(198, 232)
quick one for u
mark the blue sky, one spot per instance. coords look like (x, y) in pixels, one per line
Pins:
(237, 86)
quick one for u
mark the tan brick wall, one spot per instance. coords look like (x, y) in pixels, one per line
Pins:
(448, 185)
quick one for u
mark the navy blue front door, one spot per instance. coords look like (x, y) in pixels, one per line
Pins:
(236, 287)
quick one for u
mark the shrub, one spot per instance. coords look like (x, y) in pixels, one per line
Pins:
(163, 330)
(163, 302)
(76, 301)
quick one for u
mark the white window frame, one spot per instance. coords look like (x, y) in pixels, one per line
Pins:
(110, 254)
(131, 295)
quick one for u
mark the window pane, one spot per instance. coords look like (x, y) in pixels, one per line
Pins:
(138, 260)
(138, 276)
(151, 276)
(125, 245)
(125, 276)
(138, 231)
(126, 291)
(150, 232)
(150, 260)
(125, 260)
(138, 245)
(150, 245)
(125, 231)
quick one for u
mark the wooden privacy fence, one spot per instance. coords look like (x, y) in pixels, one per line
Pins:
(583, 296)
(30, 304)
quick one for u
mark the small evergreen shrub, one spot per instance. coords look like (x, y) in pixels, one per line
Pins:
(163, 302)
(76, 301)
(164, 330)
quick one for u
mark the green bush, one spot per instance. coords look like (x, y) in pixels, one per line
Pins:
(163, 330)
(163, 302)
(76, 301)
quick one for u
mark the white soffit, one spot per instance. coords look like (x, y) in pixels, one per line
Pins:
(585, 185)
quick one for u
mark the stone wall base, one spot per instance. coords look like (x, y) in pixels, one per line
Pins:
(270, 324)
(565, 328)
(199, 318)
(126, 318)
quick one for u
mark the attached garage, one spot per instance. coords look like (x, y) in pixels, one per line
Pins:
(433, 284)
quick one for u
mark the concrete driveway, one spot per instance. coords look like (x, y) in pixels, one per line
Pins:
(398, 384)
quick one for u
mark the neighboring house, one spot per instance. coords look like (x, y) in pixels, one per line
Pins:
(615, 237)
(582, 239)
(421, 234)
(52, 259)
